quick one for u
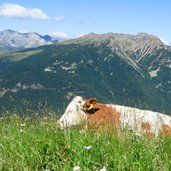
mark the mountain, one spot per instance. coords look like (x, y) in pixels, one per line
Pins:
(12, 40)
(50, 39)
(131, 70)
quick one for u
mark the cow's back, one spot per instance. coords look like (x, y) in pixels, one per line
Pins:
(143, 120)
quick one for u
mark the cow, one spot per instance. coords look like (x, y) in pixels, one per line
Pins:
(96, 115)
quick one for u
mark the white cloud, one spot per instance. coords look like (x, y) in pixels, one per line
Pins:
(20, 12)
(165, 42)
(24, 31)
(60, 18)
(80, 35)
(60, 35)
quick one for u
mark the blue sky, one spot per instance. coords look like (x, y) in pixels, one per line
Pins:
(72, 18)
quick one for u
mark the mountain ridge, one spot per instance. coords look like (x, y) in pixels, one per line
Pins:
(107, 69)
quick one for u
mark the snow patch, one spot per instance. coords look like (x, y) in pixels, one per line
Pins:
(19, 87)
(159, 85)
(57, 62)
(71, 67)
(49, 69)
(153, 73)
(165, 42)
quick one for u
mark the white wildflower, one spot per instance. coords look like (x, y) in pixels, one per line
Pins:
(82, 132)
(23, 125)
(21, 130)
(45, 118)
(138, 134)
(108, 143)
(88, 147)
(124, 157)
(1, 118)
(103, 169)
(76, 168)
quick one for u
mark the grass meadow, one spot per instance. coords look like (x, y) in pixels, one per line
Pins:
(37, 144)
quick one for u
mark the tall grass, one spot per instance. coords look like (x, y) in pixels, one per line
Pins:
(38, 144)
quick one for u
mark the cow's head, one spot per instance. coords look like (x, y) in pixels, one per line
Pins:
(74, 114)
(77, 110)
(89, 103)
(89, 106)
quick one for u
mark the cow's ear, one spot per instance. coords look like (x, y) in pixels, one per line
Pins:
(93, 100)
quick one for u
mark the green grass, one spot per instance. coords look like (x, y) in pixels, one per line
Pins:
(17, 56)
(38, 144)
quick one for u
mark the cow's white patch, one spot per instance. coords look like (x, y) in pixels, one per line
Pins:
(134, 118)
(74, 113)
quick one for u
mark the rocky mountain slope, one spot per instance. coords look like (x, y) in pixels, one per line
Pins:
(116, 68)
(13, 40)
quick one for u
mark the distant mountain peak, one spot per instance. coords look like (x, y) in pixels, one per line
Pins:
(10, 31)
(143, 34)
(14, 40)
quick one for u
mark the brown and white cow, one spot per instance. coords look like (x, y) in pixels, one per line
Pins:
(97, 114)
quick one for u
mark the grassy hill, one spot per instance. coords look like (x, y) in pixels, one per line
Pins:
(38, 144)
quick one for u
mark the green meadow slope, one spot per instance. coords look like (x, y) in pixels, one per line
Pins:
(38, 144)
